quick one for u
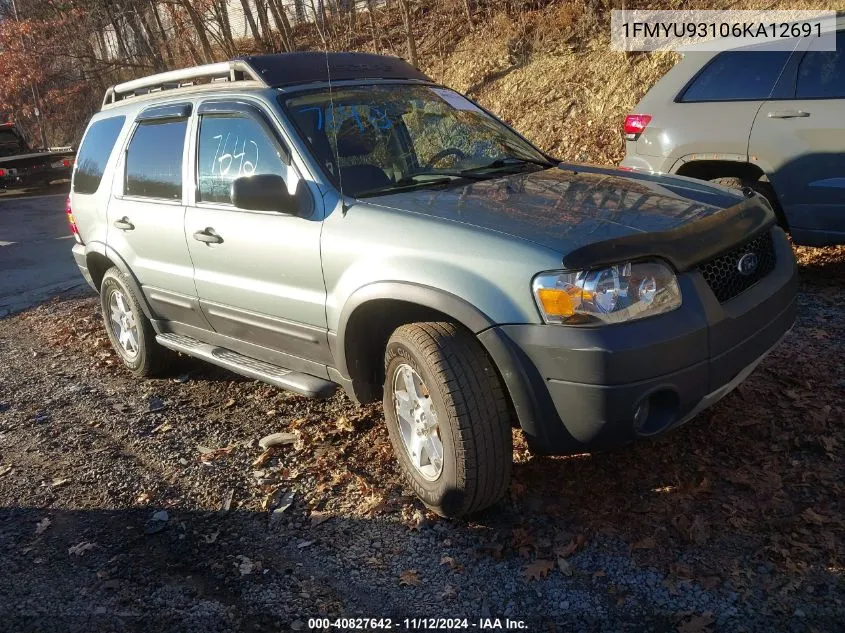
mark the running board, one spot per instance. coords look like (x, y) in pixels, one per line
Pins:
(303, 384)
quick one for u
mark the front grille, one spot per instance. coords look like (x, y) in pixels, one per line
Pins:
(723, 275)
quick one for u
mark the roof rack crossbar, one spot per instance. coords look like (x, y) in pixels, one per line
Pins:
(235, 70)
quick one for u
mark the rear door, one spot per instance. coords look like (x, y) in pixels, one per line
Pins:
(261, 279)
(712, 115)
(146, 215)
(800, 140)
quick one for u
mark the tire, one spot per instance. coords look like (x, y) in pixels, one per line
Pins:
(459, 384)
(763, 188)
(150, 358)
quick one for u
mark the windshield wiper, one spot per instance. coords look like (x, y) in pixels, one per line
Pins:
(405, 185)
(508, 161)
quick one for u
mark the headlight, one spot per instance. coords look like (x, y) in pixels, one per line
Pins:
(623, 292)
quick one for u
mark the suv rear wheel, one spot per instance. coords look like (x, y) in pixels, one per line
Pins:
(447, 417)
(129, 330)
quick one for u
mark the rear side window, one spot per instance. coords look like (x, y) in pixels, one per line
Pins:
(94, 154)
(821, 74)
(154, 160)
(737, 76)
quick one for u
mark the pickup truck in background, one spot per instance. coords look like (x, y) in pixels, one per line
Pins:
(21, 166)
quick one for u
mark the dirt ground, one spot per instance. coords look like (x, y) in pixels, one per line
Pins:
(131, 505)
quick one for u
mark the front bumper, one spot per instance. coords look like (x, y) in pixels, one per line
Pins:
(578, 388)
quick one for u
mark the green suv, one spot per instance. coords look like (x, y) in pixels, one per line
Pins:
(316, 221)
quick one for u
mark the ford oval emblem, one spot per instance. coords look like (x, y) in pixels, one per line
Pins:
(747, 264)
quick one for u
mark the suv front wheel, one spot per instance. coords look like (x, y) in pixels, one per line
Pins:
(129, 330)
(447, 417)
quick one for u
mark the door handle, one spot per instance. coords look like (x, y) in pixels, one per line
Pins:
(124, 224)
(788, 114)
(208, 236)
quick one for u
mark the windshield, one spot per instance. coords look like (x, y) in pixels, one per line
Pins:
(384, 138)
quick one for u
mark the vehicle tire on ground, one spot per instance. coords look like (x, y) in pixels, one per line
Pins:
(129, 330)
(448, 417)
(761, 187)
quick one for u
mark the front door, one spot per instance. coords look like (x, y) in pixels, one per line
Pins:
(146, 215)
(258, 274)
(802, 141)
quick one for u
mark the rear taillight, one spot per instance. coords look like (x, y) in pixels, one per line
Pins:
(67, 163)
(70, 220)
(635, 124)
(2, 172)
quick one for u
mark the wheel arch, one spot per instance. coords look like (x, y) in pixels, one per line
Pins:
(99, 258)
(373, 312)
(720, 168)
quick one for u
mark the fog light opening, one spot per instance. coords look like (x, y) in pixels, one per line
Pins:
(656, 412)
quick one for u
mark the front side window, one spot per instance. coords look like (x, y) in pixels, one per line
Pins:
(821, 74)
(94, 154)
(378, 139)
(154, 159)
(232, 146)
(739, 75)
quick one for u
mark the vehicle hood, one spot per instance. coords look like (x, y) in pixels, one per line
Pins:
(565, 208)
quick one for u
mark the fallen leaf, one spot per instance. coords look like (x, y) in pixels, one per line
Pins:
(246, 566)
(210, 538)
(343, 424)
(538, 569)
(161, 428)
(5, 470)
(229, 403)
(811, 516)
(80, 548)
(697, 624)
(42, 525)
(645, 543)
(226, 501)
(451, 562)
(573, 546)
(319, 517)
(564, 566)
(262, 459)
(409, 578)
(209, 455)
(448, 592)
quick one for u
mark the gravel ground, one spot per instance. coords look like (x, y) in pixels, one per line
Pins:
(148, 505)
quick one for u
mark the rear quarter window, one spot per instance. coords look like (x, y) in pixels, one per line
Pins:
(94, 154)
(737, 76)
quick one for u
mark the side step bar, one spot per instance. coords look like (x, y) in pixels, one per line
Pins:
(303, 384)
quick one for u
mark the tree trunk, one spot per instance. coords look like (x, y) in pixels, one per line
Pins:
(280, 17)
(372, 11)
(199, 28)
(144, 40)
(405, 6)
(252, 25)
(162, 34)
(267, 37)
(221, 12)
(122, 51)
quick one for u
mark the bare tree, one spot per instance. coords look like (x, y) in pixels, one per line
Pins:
(405, 7)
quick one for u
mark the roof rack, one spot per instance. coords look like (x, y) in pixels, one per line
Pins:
(235, 70)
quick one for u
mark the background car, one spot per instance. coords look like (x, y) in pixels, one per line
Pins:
(766, 119)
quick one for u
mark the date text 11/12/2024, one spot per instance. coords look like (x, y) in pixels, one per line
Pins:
(417, 624)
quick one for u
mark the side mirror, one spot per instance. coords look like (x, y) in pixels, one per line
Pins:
(266, 192)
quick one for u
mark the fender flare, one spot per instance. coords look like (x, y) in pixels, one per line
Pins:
(109, 253)
(449, 304)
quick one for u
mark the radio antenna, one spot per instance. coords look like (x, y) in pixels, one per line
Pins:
(334, 132)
